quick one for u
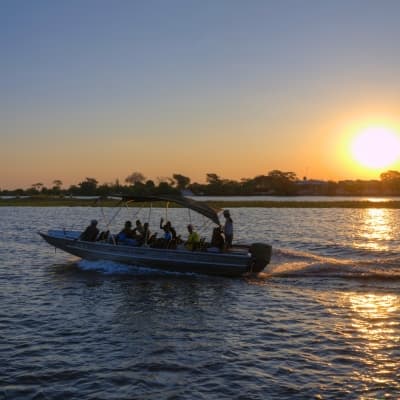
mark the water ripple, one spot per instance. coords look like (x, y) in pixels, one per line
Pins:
(321, 322)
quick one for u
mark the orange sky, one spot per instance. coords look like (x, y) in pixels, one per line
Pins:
(165, 90)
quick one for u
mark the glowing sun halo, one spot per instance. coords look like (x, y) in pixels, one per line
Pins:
(376, 147)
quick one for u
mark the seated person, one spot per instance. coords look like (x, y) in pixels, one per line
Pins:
(193, 241)
(126, 236)
(144, 238)
(104, 236)
(139, 230)
(90, 233)
(170, 227)
(167, 233)
(218, 240)
(165, 241)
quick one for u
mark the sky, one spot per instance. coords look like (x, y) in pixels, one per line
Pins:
(238, 88)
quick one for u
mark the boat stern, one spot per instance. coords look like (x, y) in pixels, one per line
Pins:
(260, 256)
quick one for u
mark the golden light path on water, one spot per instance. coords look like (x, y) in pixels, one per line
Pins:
(374, 332)
(376, 227)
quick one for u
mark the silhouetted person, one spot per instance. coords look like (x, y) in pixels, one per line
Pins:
(164, 241)
(218, 240)
(139, 229)
(126, 236)
(144, 238)
(228, 229)
(169, 226)
(90, 233)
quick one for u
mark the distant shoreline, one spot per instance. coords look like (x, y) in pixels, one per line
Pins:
(68, 202)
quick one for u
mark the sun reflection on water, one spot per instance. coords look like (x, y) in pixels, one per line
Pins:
(374, 333)
(373, 317)
(375, 229)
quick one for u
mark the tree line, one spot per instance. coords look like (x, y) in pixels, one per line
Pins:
(276, 182)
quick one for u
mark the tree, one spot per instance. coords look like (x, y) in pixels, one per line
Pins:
(390, 176)
(38, 186)
(391, 182)
(73, 190)
(135, 177)
(182, 182)
(165, 179)
(165, 188)
(261, 184)
(215, 184)
(56, 189)
(57, 184)
(150, 185)
(88, 187)
(288, 176)
(106, 189)
(213, 179)
(283, 183)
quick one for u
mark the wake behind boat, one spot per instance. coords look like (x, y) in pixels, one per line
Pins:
(204, 259)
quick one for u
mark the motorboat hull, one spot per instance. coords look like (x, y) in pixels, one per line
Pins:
(232, 263)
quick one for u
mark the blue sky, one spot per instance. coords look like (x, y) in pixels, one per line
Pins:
(104, 88)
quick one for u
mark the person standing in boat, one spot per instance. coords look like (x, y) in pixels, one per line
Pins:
(228, 229)
(90, 233)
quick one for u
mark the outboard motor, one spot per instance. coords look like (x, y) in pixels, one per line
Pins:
(260, 256)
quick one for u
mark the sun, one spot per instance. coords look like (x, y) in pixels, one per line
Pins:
(376, 147)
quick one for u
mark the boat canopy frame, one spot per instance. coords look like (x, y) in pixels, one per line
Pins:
(200, 207)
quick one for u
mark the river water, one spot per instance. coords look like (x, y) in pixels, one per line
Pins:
(322, 321)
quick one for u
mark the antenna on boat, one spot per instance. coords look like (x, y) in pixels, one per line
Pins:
(150, 210)
(148, 223)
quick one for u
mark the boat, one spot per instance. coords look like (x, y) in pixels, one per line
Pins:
(236, 261)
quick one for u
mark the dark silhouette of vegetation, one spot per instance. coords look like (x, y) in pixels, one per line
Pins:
(135, 177)
(275, 183)
(182, 182)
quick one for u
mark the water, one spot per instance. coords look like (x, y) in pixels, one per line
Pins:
(297, 198)
(321, 322)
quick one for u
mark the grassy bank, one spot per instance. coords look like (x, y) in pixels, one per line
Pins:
(68, 202)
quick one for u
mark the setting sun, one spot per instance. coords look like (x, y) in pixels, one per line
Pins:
(376, 147)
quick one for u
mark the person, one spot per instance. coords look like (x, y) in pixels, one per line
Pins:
(90, 233)
(170, 227)
(126, 235)
(193, 241)
(228, 229)
(163, 242)
(104, 236)
(217, 239)
(167, 233)
(145, 236)
(139, 230)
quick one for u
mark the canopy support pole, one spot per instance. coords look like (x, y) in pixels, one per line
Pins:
(148, 222)
(190, 216)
